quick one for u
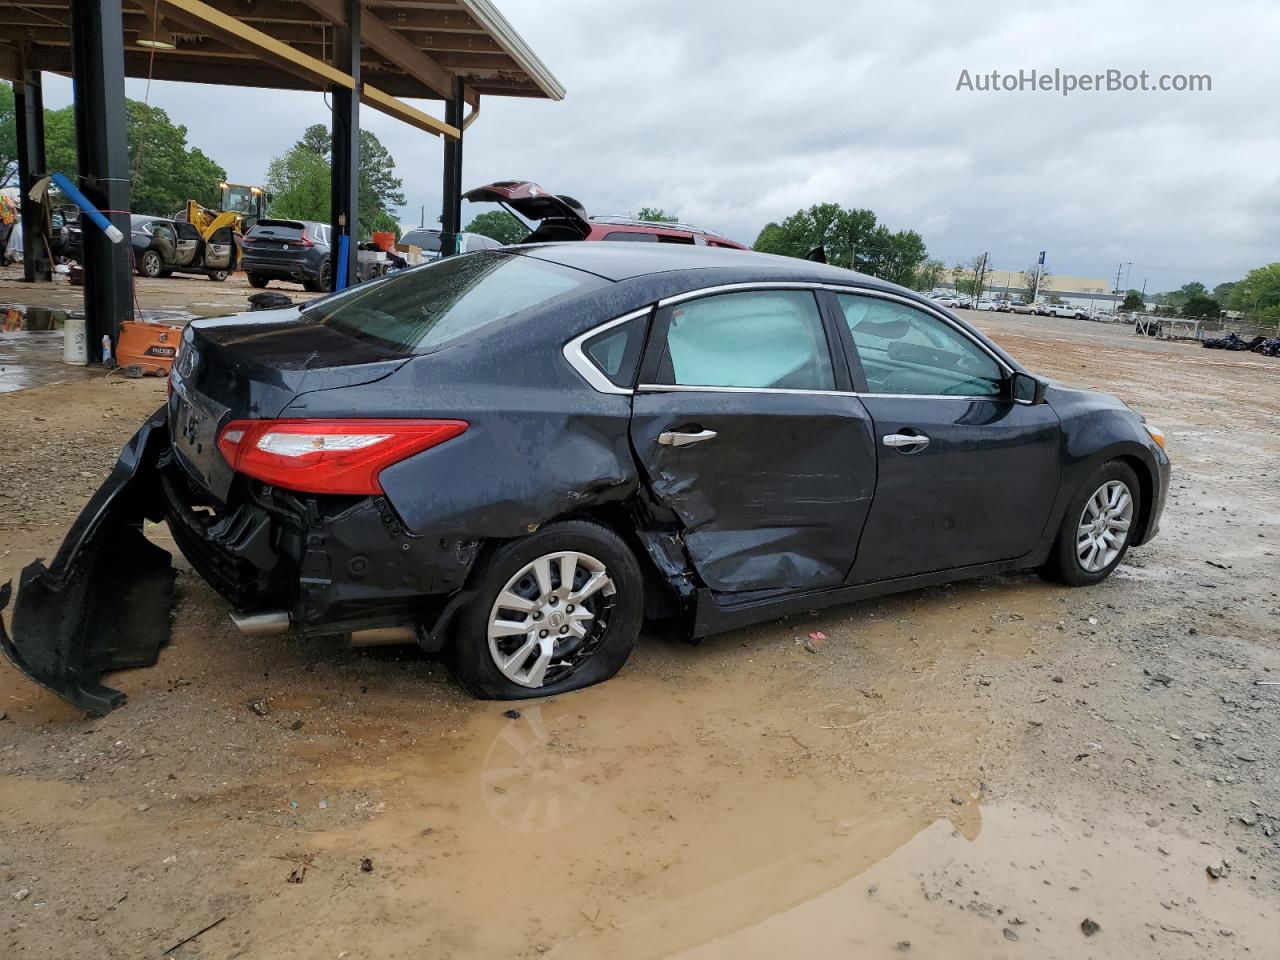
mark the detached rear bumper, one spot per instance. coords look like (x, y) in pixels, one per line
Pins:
(103, 604)
(332, 564)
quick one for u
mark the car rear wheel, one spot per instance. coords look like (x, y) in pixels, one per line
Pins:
(1096, 530)
(323, 282)
(552, 612)
(218, 275)
(150, 264)
(257, 280)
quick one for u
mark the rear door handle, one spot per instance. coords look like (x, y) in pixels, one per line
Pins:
(676, 438)
(917, 441)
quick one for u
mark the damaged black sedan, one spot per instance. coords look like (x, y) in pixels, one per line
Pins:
(519, 458)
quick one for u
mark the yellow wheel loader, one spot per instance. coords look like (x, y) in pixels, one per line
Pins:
(219, 231)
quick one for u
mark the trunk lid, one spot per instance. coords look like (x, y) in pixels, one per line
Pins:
(533, 203)
(252, 366)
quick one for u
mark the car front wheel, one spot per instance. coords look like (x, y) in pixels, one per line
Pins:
(1095, 533)
(552, 612)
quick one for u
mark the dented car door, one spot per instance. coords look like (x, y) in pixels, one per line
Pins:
(748, 432)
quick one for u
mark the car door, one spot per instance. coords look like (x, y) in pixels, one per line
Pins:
(748, 432)
(966, 474)
(165, 241)
(188, 243)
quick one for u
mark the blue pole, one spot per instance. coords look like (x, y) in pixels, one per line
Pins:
(344, 253)
(106, 226)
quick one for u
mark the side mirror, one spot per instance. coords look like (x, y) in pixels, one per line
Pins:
(1025, 388)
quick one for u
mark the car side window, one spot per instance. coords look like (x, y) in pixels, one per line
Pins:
(616, 352)
(769, 339)
(907, 351)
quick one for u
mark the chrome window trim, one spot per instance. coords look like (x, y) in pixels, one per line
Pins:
(852, 290)
(685, 388)
(596, 378)
(576, 355)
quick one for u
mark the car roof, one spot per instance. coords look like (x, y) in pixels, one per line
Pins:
(624, 261)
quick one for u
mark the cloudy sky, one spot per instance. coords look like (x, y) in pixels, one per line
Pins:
(731, 114)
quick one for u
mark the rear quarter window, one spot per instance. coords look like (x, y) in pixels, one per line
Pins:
(419, 310)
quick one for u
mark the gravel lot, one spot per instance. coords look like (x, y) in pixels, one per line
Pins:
(977, 771)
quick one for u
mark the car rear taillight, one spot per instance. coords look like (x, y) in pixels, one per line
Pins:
(328, 456)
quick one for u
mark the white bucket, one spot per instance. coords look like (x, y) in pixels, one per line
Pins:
(75, 346)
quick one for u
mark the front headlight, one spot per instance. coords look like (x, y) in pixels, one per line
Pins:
(1156, 434)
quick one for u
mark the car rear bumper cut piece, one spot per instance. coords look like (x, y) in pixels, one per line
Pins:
(103, 604)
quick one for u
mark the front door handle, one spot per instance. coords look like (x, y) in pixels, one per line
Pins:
(676, 438)
(915, 441)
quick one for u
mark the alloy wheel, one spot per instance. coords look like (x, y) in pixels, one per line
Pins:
(1104, 524)
(550, 617)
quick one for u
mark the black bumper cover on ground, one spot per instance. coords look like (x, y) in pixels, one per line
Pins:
(103, 604)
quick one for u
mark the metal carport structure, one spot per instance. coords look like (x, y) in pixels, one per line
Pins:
(370, 52)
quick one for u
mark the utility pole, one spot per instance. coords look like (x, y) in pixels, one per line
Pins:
(1035, 290)
(1115, 304)
(422, 215)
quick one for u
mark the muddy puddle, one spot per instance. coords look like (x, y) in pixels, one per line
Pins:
(753, 797)
(725, 800)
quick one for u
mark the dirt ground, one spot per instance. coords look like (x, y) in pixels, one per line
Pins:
(984, 770)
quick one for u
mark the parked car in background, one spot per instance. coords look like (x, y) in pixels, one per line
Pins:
(161, 247)
(561, 217)
(427, 239)
(293, 250)
(1004, 306)
(945, 300)
(519, 457)
(1022, 306)
(984, 303)
(1066, 311)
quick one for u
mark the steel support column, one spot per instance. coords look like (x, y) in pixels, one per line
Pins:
(451, 202)
(344, 196)
(97, 63)
(28, 102)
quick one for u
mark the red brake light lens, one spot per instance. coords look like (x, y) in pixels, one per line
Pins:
(328, 456)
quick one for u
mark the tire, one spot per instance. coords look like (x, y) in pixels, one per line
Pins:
(609, 632)
(150, 264)
(1078, 562)
(218, 275)
(257, 280)
(322, 282)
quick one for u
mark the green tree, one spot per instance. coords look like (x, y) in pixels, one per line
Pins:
(8, 136)
(966, 276)
(1258, 294)
(1201, 306)
(1029, 280)
(1222, 292)
(381, 191)
(929, 274)
(164, 170)
(298, 181)
(1132, 301)
(655, 213)
(852, 238)
(498, 225)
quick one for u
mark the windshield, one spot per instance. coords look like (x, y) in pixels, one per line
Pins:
(418, 310)
(428, 240)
